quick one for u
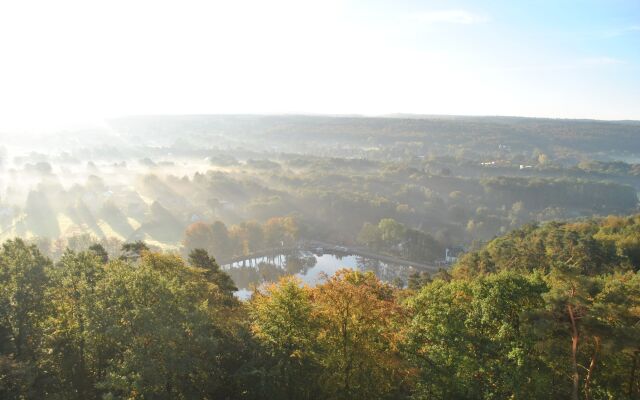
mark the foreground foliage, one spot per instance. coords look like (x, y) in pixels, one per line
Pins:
(543, 312)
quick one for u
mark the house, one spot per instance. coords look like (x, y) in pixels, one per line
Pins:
(451, 255)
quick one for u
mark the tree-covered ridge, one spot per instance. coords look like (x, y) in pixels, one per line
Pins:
(593, 246)
(472, 132)
(549, 311)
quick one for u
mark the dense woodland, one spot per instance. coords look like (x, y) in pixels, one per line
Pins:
(455, 180)
(545, 311)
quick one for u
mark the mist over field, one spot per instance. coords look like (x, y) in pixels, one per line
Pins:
(459, 179)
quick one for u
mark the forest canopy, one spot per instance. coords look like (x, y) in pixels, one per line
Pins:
(549, 311)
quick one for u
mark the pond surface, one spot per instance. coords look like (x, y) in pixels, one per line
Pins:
(310, 269)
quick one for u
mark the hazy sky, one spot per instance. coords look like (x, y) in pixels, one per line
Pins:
(67, 60)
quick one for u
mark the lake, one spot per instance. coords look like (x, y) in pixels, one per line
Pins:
(310, 269)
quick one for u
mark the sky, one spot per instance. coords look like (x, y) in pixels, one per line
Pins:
(81, 60)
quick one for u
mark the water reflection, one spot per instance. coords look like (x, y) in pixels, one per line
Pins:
(311, 269)
(270, 269)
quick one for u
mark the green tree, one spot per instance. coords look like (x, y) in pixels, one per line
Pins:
(370, 236)
(99, 250)
(23, 281)
(469, 339)
(283, 321)
(600, 316)
(163, 330)
(69, 343)
(133, 251)
(418, 279)
(391, 231)
(200, 258)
